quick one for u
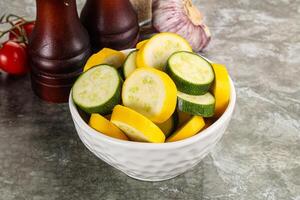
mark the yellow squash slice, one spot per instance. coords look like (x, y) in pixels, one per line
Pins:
(105, 56)
(221, 89)
(136, 126)
(170, 125)
(101, 124)
(141, 43)
(150, 92)
(159, 48)
(190, 129)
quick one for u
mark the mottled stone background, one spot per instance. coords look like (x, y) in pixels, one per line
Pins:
(41, 156)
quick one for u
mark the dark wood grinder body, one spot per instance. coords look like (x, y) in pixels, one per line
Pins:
(110, 23)
(58, 49)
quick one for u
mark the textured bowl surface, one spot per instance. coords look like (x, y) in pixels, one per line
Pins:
(153, 162)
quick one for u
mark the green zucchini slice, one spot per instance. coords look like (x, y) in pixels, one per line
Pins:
(202, 105)
(191, 73)
(98, 90)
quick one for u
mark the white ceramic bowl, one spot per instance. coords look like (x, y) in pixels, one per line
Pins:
(153, 162)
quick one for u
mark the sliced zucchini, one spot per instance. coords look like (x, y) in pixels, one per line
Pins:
(120, 71)
(105, 56)
(191, 73)
(136, 126)
(104, 126)
(98, 90)
(191, 128)
(141, 43)
(150, 92)
(202, 105)
(170, 125)
(158, 49)
(130, 64)
(221, 89)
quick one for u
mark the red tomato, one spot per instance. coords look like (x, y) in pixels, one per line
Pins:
(28, 28)
(13, 58)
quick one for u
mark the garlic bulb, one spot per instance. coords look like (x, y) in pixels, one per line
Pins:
(183, 18)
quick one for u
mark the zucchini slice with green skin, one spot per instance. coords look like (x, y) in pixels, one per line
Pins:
(169, 126)
(202, 105)
(191, 73)
(98, 90)
(120, 71)
(130, 64)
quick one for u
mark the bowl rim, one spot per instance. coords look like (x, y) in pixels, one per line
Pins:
(142, 145)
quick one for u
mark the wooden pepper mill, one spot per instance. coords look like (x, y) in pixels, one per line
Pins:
(111, 23)
(58, 49)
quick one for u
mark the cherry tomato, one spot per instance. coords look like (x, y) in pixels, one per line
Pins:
(28, 28)
(13, 58)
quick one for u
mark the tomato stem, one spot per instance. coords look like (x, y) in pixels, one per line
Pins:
(11, 19)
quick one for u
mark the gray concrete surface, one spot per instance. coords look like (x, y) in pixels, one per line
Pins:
(41, 156)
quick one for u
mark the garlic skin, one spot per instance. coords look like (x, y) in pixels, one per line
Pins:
(183, 18)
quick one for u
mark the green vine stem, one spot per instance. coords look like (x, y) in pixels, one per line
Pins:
(12, 19)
